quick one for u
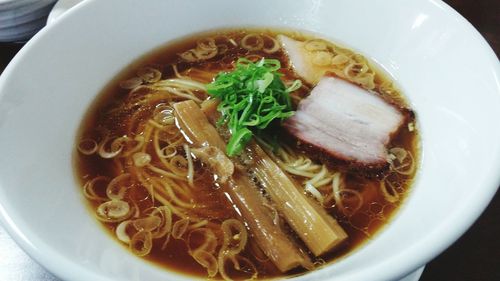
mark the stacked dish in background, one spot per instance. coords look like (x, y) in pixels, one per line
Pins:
(21, 19)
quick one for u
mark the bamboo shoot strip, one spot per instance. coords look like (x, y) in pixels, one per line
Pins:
(315, 227)
(271, 239)
(250, 203)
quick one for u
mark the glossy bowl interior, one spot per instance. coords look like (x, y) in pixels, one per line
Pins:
(443, 65)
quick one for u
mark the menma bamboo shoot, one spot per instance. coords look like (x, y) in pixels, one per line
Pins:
(319, 231)
(250, 203)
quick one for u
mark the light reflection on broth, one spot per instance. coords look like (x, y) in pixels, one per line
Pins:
(162, 197)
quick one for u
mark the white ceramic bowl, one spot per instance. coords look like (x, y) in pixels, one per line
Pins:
(444, 66)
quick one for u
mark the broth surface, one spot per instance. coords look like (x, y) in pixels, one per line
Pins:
(108, 119)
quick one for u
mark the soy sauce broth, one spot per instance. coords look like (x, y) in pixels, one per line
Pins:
(102, 119)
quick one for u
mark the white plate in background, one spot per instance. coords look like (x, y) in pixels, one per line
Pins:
(19, 20)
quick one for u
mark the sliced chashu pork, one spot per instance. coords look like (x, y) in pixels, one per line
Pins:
(346, 122)
(302, 60)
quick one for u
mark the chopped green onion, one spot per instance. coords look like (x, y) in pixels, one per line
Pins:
(238, 141)
(251, 97)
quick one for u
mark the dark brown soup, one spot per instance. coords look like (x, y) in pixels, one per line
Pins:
(144, 180)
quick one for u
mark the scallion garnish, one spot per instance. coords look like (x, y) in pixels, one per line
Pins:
(251, 97)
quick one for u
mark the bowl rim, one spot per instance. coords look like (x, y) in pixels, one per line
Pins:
(459, 221)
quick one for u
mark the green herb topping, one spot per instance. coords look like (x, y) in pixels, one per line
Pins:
(251, 97)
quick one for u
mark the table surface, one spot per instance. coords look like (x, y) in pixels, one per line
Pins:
(474, 257)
